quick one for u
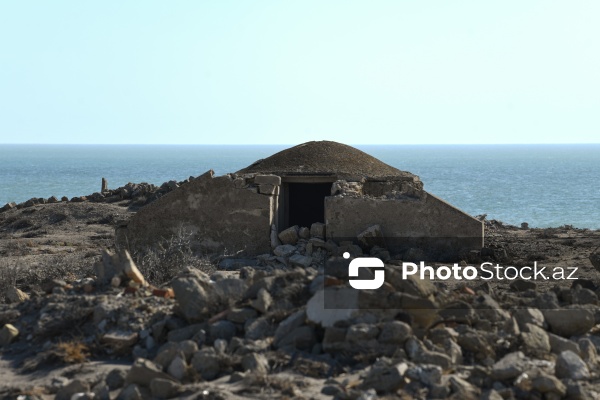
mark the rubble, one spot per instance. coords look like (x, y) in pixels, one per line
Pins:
(286, 326)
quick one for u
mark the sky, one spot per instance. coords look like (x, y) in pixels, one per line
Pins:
(281, 72)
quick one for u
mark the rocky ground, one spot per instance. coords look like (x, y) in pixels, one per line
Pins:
(80, 323)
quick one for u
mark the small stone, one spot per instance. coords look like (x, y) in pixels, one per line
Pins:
(178, 368)
(143, 371)
(206, 362)
(588, 352)
(8, 334)
(74, 387)
(119, 340)
(284, 250)
(116, 379)
(289, 235)
(558, 344)
(222, 330)
(395, 332)
(15, 295)
(130, 392)
(570, 365)
(299, 260)
(263, 301)
(241, 315)
(255, 363)
(569, 321)
(386, 379)
(164, 388)
(509, 366)
(535, 340)
(304, 233)
(529, 316)
(546, 384)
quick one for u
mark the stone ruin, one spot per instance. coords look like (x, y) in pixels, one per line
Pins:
(329, 184)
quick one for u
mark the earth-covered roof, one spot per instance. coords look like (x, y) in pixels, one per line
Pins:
(326, 158)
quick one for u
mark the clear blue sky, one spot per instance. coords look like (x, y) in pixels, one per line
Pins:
(370, 72)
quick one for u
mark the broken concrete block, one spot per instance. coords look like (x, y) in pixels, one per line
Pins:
(119, 340)
(289, 236)
(317, 230)
(371, 237)
(130, 269)
(8, 333)
(267, 180)
(271, 190)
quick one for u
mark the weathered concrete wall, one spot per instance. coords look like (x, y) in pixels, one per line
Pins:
(222, 214)
(405, 222)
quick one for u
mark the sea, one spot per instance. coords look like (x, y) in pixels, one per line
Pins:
(543, 185)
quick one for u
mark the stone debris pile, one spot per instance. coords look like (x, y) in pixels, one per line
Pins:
(263, 330)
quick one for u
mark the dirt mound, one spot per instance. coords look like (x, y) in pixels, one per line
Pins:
(324, 158)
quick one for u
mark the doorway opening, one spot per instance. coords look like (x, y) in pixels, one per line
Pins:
(305, 203)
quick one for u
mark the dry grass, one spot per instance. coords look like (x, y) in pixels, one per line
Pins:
(159, 265)
(72, 352)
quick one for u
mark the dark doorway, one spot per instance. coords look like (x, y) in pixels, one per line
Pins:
(306, 203)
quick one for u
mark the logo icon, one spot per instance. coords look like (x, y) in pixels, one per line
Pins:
(365, 262)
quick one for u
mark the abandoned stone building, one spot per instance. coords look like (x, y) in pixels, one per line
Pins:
(316, 182)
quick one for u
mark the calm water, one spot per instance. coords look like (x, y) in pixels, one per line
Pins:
(544, 185)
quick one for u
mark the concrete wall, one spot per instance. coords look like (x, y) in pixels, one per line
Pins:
(407, 222)
(222, 214)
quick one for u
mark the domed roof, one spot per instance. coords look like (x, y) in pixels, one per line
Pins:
(326, 158)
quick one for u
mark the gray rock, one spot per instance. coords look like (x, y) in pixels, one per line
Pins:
(164, 389)
(188, 348)
(241, 315)
(222, 330)
(302, 338)
(73, 387)
(419, 354)
(143, 371)
(558, 344)
(361, 333)
(288, 325)
(298, 260)
(258, 329)
(8, 334)
(15, 295)
(185, 333)
(263, 301)
(535, 340)
(206, 363)
(267, 180)
(529, 316)
(588, 352)
(195, 295)
(394, 332)
(178, 368)
(570, 366)
(510, 366)
(166, 353)
(583, 296)
(289, 235)
(546, 384)
(462, 389)
(285, 250)
(304, 233)
(116, 378)
(569, 321)
(385, 379)
(595, 258)
(230, 290)
(255, 363)
(130, 392)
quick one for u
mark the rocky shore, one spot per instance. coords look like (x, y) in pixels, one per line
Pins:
(82, 320)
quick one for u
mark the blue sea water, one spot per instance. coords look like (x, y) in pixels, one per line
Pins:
(544, 185)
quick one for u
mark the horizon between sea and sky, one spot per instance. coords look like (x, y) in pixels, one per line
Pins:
(493, 104)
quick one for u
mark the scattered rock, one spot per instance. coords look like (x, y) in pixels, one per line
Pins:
(569, 365)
